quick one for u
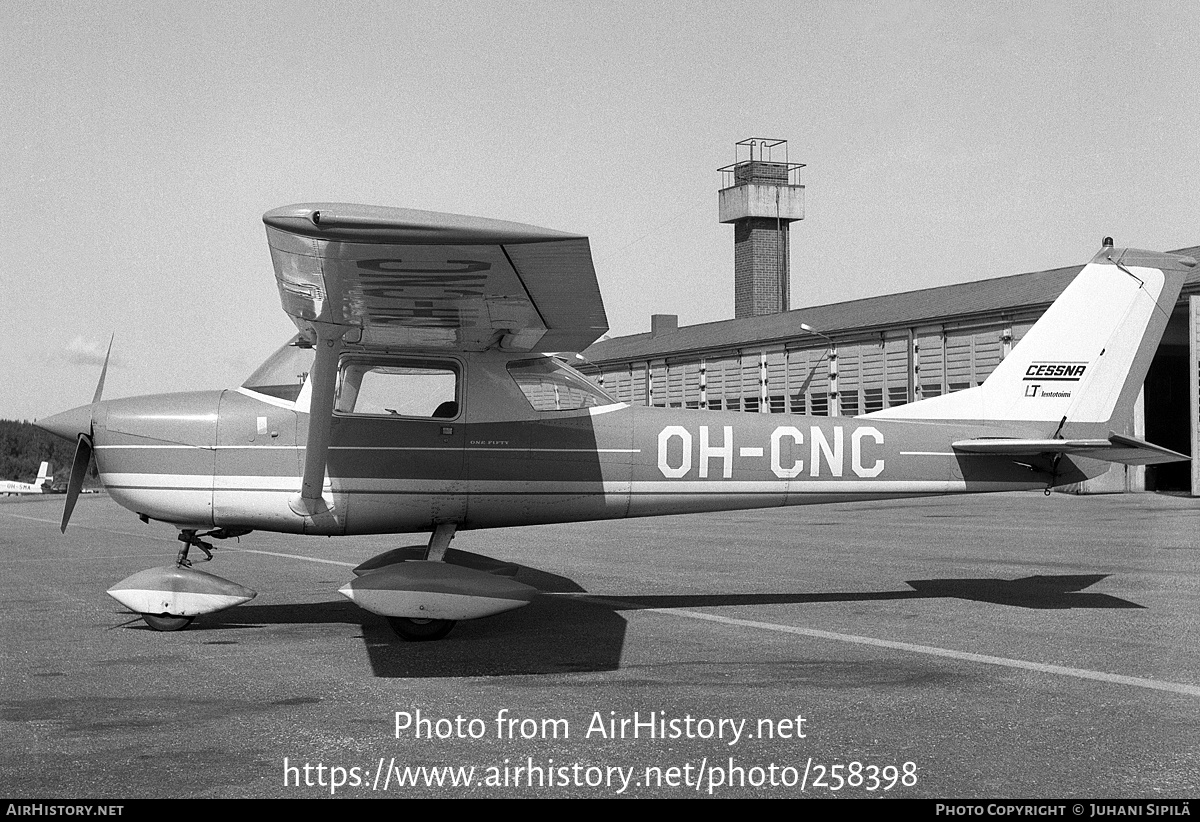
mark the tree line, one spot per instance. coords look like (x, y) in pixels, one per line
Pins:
(24, 447)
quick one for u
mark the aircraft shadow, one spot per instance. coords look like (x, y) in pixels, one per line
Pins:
(570, 631)
(1040, 592)
(553, 634)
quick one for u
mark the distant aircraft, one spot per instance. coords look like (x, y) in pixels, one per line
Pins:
(415, 399)
(41, 485)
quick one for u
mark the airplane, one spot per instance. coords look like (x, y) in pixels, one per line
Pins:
(418, 397)
(41, 485)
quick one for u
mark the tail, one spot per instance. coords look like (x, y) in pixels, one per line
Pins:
(1078, 371)
(45, 474)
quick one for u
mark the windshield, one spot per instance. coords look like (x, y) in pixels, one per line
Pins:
(284, 372)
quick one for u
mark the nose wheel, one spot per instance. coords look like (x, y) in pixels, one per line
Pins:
(168, 598)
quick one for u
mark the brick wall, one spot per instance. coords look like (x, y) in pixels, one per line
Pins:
(760, 275)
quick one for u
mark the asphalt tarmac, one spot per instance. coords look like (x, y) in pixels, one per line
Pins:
(1009, 646)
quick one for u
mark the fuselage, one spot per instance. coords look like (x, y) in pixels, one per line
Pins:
(509, 449)
(40, 485)
(12, 487)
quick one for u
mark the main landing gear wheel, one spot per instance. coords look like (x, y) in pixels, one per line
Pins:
(167, 622)
(420, 630)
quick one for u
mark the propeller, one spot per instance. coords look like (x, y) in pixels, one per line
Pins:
(83, 456)
(77, 423)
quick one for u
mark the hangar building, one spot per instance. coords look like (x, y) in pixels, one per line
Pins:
(864, 355)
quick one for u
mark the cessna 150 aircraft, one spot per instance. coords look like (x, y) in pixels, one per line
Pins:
(416, 398)
(45, 479)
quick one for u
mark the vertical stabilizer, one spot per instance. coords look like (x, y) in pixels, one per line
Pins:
(1086, 358)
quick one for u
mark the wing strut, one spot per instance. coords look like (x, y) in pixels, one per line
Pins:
(310, 501)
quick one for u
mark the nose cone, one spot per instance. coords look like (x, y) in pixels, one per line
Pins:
(69, 424)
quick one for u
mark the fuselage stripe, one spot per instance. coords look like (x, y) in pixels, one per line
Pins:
(486, 449)
(358, 485)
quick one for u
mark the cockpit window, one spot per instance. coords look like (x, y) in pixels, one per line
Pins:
(388, 387)
(550, 385)
(284, 372)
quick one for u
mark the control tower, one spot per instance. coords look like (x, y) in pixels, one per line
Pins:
(761, 196)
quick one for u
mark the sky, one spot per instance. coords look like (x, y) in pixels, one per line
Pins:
(943, 141)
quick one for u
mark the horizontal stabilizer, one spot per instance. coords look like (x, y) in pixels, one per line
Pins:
(1117, 448)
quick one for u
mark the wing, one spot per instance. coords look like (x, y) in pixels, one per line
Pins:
(399, 278)
(393, 277)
